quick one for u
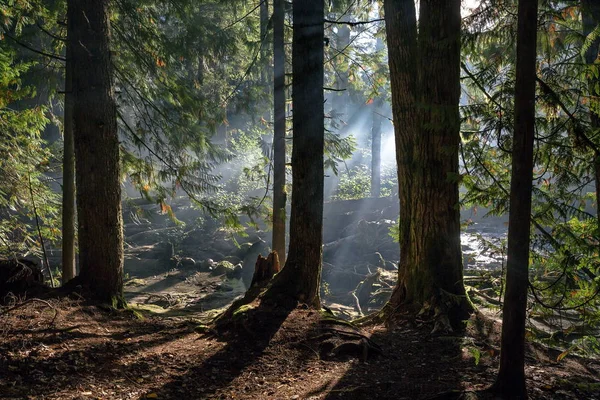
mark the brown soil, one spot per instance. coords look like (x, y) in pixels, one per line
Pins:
(64, 349)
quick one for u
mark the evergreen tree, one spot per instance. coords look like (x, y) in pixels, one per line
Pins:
(300, 277)
(96, 151)
(511, 377)
(279, 146)
(424, 73)
(68, 198)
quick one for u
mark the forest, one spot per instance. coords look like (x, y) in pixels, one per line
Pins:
(299, 199)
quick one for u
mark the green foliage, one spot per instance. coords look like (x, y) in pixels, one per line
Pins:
(564, 267)
(25, 159)
(355, 183)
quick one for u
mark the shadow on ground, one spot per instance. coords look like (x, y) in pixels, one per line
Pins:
(246, 337)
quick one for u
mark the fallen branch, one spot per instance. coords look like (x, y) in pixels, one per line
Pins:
(489, 299)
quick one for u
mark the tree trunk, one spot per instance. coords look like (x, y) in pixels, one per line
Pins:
(590, 11)
(301, 275)
(68, 199)
(279, 195)
(425, 78)
(96, 151)
(510, 382)
(264, 28)
(376, 150)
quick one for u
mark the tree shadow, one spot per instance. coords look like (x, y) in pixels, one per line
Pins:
(246, 337)
(413, 364)
(46, 370)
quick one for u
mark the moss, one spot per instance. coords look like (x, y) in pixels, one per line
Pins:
(240, 311)
(136, 282)
(118, 302)
(148, 308)
(202, 328)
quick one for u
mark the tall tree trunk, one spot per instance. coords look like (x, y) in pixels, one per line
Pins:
(264, 28)
(279, 195)
(68, 199)
(96, 151)
(376, 150)
(510, 382)
(301, 275)
(590, 11)
(425, 78)
(401, 33)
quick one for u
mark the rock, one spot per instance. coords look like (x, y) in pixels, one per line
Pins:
(159, 251)
(187, 262)
(221, 268)
(233, 259)
(223, 287)
(236, 273)
(206, 265)
(147, 238)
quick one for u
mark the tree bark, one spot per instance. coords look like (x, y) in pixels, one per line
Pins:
(425, 82)
(510, 382)
(68, 199)
(279, 151)
(96, 151)
(301, 275)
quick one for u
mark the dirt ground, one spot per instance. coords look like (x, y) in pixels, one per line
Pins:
(65, 349)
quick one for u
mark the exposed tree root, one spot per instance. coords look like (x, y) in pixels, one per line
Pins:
(446, 311)
(342, 341)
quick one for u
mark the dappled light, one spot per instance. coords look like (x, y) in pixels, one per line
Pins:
(284, 199)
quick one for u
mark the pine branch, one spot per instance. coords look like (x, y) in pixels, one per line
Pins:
(26, 46)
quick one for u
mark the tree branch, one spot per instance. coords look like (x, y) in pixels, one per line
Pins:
(329, 21)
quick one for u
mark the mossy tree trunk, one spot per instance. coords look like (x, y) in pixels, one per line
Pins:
(279, 151)
(510, 382)
(301, 275)
(100, 225)
(425, 82)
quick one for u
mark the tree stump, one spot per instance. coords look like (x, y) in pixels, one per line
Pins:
(265, 269)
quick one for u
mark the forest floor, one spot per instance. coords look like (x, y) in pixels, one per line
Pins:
(67, 349)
